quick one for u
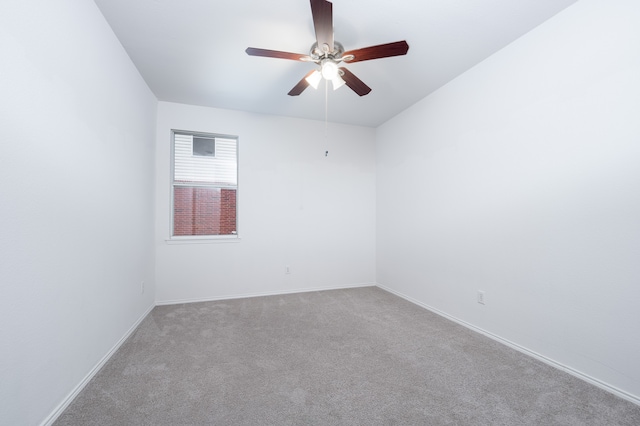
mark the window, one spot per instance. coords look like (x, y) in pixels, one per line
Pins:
(204, 184)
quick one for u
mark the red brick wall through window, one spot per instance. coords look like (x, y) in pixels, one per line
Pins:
(204, 211)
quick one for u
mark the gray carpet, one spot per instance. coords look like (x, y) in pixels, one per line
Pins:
(340, 357)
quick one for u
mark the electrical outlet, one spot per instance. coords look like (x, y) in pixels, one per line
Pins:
(287, 270)
(481, 297)
(141, 287)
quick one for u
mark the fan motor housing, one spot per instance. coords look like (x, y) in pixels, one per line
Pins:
(317, 54)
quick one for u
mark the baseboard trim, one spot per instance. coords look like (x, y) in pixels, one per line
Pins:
(261, 294)
(576, 373)
(72, 395)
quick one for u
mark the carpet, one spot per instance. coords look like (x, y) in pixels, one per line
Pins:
(357, 356)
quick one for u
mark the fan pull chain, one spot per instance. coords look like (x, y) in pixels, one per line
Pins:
(326, 116)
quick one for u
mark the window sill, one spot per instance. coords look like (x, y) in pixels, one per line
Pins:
(204, 239)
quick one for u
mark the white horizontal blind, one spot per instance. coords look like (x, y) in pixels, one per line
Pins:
(219, 170)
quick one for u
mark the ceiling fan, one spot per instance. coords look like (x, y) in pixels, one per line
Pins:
(328, 53)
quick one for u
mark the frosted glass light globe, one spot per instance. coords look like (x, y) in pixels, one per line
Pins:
(329, 70)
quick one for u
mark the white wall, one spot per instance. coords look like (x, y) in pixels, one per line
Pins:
(297, 207)
(522, 178)
(76, 200)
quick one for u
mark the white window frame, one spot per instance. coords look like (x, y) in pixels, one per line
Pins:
(201, 239)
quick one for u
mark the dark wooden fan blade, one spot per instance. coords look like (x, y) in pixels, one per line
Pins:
(380, 51)
(322, 12)
(354, 82)
(254, 51)
(302, 84)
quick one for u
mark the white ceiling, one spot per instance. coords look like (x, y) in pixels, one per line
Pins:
(193, 51)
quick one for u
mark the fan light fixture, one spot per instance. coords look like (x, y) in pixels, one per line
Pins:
(314, 79)
(329, 71)
(338, 82)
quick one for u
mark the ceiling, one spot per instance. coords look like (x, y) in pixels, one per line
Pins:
(193, 51)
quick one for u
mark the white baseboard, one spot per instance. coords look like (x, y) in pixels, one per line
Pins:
(267, 293)
(591, 380)
(69, 398)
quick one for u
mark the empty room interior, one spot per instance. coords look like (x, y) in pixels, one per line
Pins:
(445, 231)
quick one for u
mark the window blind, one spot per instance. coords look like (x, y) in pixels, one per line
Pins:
(219, 170)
